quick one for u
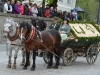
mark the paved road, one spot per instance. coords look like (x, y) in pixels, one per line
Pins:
(79, 67)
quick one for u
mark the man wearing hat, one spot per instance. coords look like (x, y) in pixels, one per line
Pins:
(55, 25)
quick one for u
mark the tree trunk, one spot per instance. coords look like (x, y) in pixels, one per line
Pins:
(54, 3)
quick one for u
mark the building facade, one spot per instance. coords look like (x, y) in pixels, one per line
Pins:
(64, 5)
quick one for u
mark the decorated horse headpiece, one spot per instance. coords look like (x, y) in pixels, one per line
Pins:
(29, 35)
(11, 28)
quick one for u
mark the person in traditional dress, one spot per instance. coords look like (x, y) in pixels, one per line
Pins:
(55, 25)
(64, 29)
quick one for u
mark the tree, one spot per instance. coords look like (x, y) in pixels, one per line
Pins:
(90, 7)
(52, 3)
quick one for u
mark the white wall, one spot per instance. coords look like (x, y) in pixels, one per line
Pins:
(62, 4)
(65, 6)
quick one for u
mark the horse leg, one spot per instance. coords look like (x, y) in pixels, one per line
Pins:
(9, 61)
(27, 59)
(34, 57)
(57, 59)
(15, 57)
(51, 61)
(23, 57)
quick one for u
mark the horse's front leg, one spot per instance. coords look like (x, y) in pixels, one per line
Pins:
(23, 57)
(15, 57)
(27, 59)
(34, 58)
(9, 60)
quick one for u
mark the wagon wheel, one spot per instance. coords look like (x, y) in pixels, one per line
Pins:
(92, 54)
(74, 57)
(68, 56)
(46, 57)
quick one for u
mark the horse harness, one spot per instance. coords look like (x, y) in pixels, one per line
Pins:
(32, 34)
(38, 34)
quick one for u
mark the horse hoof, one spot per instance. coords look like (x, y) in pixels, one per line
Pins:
(24, 68)
(22, 64)
(32, 69)
(13, 67)
(48, 67)
(8, 66)
(55, 67)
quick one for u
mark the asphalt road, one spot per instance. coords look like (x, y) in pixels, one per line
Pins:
(79, 67)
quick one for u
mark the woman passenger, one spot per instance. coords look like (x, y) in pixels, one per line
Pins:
(64, 29)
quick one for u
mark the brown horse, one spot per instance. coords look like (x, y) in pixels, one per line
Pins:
(33, 40)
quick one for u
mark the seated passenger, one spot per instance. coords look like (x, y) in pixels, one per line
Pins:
(55, 25)
(64, 29)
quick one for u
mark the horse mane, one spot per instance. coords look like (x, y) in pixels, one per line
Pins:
(33, 21)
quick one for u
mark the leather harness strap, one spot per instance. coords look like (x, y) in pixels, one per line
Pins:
(31, 36)
(15, 36)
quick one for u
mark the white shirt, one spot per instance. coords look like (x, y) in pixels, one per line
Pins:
(6, 8)
(34, 11)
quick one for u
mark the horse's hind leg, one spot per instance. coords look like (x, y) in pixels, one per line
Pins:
(57, 52)
(9, 61)
(23, 57)
(34, 58)
(27, 59)
(15, 57)
(51, 61)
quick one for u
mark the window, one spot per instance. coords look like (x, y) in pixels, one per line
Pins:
(69, 1)
(61, 0)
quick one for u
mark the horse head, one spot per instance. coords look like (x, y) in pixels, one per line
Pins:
(26, 31)
(9, 28)
(40, 25)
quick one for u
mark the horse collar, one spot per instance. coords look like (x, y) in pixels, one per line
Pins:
(31, 36)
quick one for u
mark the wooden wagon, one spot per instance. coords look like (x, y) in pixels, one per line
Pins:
(84, 39)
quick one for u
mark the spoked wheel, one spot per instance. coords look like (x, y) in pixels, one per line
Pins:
(92, 54)
(46, 57)
(68, 56)
(74, 57)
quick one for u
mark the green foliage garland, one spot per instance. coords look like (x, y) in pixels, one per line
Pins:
(81, 22)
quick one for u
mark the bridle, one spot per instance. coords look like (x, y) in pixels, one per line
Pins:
(11, 30)
(29, 37)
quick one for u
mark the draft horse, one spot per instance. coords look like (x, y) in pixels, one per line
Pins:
(33, 40)
(11, 34)
(40, 25)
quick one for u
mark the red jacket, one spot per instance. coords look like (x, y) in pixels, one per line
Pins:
(22, 8)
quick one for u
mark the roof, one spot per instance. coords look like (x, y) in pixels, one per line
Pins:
(79, 9)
